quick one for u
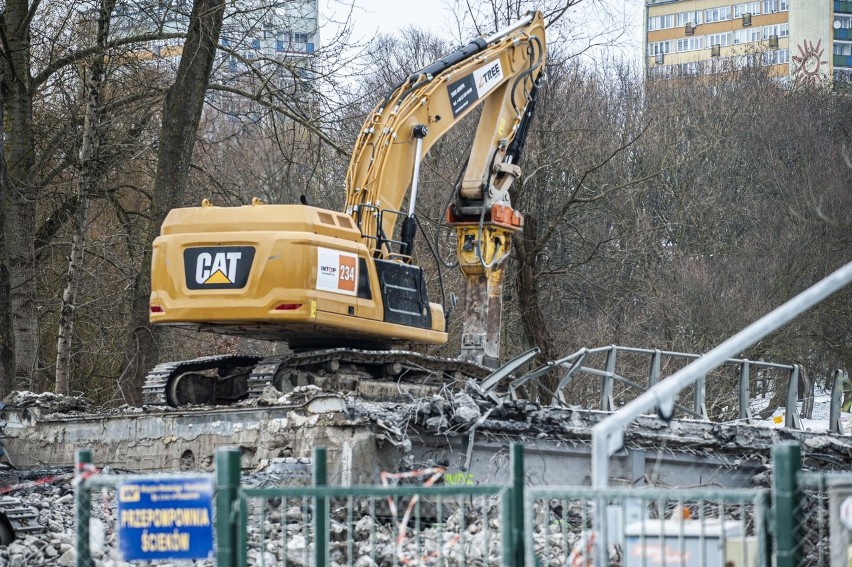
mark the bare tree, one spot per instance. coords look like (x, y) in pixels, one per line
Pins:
(181, 116)
(7, 330)
(15, 92)
(89, 157)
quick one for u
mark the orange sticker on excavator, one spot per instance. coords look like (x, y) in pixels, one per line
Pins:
(347, 273)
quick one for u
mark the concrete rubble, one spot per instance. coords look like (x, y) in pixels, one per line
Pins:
(460, 429)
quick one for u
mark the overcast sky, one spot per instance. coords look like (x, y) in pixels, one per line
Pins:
(389, 16)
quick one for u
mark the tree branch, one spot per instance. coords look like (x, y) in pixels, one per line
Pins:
(72, 58)
(285, 111)
(572, 198)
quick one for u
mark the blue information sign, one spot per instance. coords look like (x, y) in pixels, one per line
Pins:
(167, 518)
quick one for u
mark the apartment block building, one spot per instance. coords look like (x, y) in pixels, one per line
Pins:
(800, 40)
(253, 30)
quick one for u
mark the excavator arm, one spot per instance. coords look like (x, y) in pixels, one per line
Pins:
(500, 74)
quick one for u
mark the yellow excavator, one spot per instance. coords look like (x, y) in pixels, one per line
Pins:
(342, 288)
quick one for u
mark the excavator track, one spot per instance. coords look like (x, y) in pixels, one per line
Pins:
(157, 382)
(399, 363)
(382, 365)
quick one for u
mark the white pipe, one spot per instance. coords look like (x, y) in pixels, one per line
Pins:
(416, 177)
(506, 31)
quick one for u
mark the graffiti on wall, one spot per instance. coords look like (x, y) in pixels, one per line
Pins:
(808, 66)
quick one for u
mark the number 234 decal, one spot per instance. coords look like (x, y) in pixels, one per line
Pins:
(337, 271)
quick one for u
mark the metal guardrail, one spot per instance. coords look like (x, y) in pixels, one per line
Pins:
(607, 436)
(577, 364)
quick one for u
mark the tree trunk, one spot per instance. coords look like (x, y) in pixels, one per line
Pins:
(806, 393)
(7, 331)
(16, 94)
(181, 116)
(88, 165)
(532, 318)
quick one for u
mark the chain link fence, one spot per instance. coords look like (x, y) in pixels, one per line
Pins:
(374, 526)
(645, 527)
(823, 520)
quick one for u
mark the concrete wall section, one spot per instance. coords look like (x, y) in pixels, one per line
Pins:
(170, 441)
(551, 462)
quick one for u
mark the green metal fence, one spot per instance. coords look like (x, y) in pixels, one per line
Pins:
(647, 527)
(320, 525)
(376, 525)
(413, 522)
(813, 512)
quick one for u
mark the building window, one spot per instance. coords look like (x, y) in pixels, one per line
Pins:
(689, 44)
(752, 8)
(659, 47)
(722, 39)
(776, 57)
(684, 18)
(300, 38)
(748, 35)
(661, 22)
(717, 14)
(781, 30)
(770, 6)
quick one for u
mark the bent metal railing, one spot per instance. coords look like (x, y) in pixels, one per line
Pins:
(578, 363)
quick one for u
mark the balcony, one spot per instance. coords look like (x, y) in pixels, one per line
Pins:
(843, 61)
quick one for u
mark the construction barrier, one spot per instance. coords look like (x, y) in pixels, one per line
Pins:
(645, 527)
(813, 513)
(413, 519)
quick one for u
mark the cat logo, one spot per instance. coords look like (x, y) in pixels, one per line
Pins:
(225, 267)
(220, 268)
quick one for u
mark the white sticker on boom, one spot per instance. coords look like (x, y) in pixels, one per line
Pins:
(337, 271)
(488, 77)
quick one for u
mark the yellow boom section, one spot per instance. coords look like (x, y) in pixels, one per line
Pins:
(499, 77)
